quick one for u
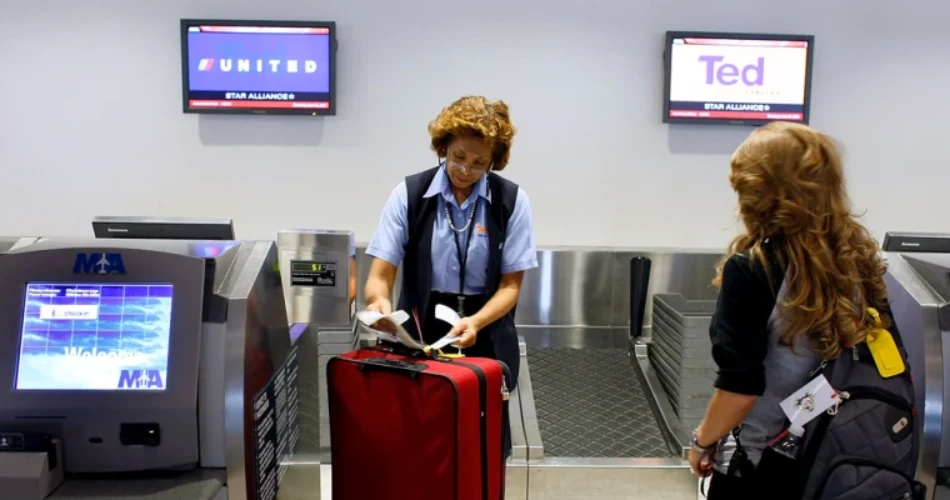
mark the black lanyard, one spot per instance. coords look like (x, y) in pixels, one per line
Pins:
(463, 256)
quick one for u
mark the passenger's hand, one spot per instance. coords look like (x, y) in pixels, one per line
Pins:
(701, 463)
(467, 331)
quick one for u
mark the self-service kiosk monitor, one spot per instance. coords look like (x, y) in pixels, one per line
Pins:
(163, 228)
(101, 346)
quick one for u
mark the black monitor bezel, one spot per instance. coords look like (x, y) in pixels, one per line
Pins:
(217, 231)
(185, 70)
(667, 76)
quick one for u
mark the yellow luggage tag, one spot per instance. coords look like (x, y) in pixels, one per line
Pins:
(438, 352)
(884, 350)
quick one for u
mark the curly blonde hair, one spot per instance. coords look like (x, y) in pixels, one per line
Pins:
(790, 184)
(475, 116)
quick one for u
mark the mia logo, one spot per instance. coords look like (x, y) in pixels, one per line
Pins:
(141, 379)
(98, 263)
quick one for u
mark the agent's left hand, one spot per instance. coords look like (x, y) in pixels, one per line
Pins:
(467, 331)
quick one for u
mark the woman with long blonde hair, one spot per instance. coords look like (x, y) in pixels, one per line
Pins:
(794, 290)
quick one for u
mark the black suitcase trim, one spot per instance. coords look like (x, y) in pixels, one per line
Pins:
(483, 420)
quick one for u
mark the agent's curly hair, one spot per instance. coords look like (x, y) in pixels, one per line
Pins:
(475, 116)
(791, 191)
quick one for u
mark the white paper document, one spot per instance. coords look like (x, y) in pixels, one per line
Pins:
(444, 341)
(400, 336)
(451, 317)
(447, 314)
(370, 318)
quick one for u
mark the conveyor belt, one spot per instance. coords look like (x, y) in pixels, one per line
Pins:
(590, 404)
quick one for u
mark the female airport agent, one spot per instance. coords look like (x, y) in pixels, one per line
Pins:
(794, 289)
(463, 233)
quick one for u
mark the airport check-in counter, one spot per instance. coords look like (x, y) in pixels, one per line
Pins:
(918, 286)
(319, 272)
(135, 356)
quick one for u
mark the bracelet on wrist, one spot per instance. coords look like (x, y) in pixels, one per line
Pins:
(696, 446)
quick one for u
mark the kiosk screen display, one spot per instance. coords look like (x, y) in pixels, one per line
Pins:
(83, 336)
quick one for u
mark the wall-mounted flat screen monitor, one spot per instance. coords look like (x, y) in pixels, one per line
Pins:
(95, 337)
(258, 67)
(737, 78)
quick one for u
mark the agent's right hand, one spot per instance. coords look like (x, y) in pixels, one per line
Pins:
(382, 306)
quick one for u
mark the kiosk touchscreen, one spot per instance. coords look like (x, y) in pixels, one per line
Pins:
(100, 348)
(95, 337)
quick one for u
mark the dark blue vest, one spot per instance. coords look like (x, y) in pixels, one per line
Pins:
(417, 263)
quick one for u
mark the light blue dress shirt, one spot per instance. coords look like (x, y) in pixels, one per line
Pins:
(519, 253)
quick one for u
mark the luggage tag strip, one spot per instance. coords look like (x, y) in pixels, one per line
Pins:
(451, 317)
(810, 401)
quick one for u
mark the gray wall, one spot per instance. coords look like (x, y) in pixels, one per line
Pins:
(90, 99)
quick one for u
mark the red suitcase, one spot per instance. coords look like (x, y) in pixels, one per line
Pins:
(416, 428)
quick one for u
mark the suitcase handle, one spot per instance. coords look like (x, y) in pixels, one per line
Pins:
(400, 349)
(404, 367)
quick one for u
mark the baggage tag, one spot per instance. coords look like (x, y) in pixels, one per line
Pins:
(446, 314)
(443, 342)
(451, 317)
(884, 350)
(810, 401)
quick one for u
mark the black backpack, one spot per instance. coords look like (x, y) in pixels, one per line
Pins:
(866, 447)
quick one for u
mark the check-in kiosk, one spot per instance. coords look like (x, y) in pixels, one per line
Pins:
(319, 272)
(145, 355)
(918, 286)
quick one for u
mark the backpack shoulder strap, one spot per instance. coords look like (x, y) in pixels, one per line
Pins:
(885, 309)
